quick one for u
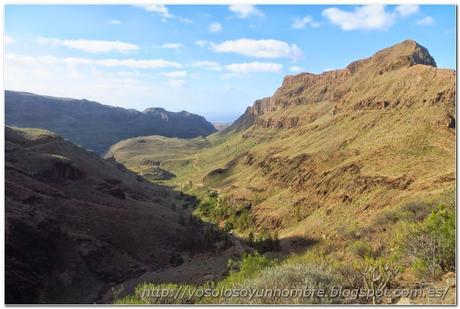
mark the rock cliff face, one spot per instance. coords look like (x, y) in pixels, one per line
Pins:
(96, 126)
(389, 78)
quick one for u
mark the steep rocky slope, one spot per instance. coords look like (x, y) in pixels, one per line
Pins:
(391, 77)
(332, 149)
(77, 224)
(96, 126)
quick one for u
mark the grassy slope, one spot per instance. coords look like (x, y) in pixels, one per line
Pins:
(409, 143)
(346, 173)
(398, 145)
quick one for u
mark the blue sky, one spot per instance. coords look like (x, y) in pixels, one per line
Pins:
(211, 60)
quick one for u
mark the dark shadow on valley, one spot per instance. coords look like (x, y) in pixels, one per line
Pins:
(207, 254)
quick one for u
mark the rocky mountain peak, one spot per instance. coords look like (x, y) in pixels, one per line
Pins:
(154, 110)
(404, 54)
(357, 83)
(410, 48)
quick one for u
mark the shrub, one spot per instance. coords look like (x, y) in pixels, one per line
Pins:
(271, 283)
(248, 267)
(216, 209)
(350, 232)
(377, 275)
(416, 211)
(412, 211)
(386, 217)
(228, 226)
(148, 293)
(430, 244)
(264, 242)
(361, 249)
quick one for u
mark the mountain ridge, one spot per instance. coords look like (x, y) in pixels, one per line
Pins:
(357, 140)
(97, 126)
(326, 85)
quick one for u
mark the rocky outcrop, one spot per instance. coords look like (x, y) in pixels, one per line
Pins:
(363, 84)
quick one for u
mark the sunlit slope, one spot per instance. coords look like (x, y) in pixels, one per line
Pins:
(335, 148)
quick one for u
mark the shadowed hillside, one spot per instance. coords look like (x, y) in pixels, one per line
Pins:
(77, 224)
(96, 126)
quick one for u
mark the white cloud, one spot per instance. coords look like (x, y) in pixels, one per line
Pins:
(68, 78)
(426, 21)
(296, 69)
(130, 74)
(367, 17)
(171, 45)
(202, 43)
(211, 65)
(245, 10)
(114, 22)
(128, 63)
(157, 8)
(91, 46)
(215, 27)
(405, 10)
(259, 48)
(163, 11)
(7, 40)
(175, 74)
(185, 20)
(300, 23)
(254, 67)
(177, 83)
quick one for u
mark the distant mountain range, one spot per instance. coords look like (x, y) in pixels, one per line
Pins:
(96, 126)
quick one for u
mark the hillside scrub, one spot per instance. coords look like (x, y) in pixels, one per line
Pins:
(219, 210)
(247, 268)
(429, 245)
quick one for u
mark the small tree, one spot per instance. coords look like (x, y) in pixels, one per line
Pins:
(430, 244)
(377, 274)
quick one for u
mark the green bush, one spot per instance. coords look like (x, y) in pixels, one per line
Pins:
(215, 209)
(386, 217)
(377, 275)
(416, 211)
(293, 278)
(412, 211)
(249, 266)
(361, 249)
(430, 244)
(228, 226)
(148, 293)
(264, 242)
